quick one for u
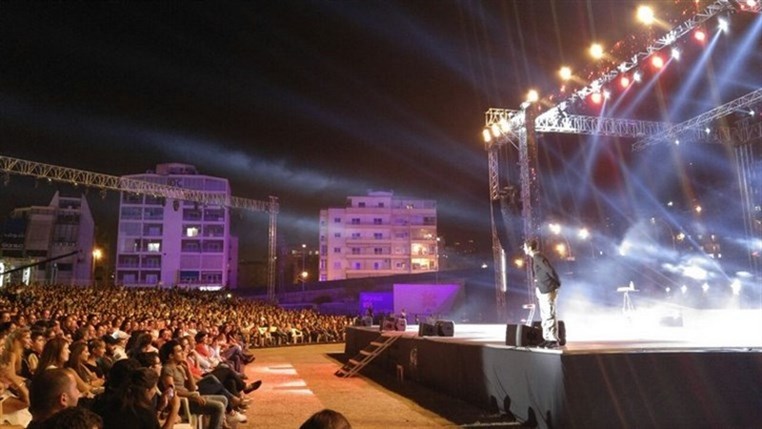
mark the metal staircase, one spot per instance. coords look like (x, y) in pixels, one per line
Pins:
(366, 355)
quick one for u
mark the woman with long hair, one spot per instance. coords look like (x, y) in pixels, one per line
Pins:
(16, 343)
(132, 407)
(77, 362)
(55, 354)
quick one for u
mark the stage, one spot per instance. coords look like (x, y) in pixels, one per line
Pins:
(613, 371)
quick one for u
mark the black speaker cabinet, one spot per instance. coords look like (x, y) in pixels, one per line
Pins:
(400, 324)
(561, 330)
(427, 330)
(445, 328)
(389, 324)
(522, 335)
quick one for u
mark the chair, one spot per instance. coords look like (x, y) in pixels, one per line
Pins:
(190, 420)
(297, 336)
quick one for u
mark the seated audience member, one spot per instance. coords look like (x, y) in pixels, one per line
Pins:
(32, 354)
(52, 390)
(96, 361)
(175, 373)
(55, 354)
(78, 356)
(326, 419)
(15, 397)
(74, 418)
(133, 405)
(17, 341)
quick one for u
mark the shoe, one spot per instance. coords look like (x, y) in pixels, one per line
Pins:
(542, 344)
(252, 387)
(240, 418)
(249, 358)
(550, 345)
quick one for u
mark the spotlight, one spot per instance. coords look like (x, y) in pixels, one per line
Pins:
(637, 77)
(487, 135)
(606, 94)
(677, 143)
(495, 130)
(624, 81)
(707, 130)
(657, 61)
(533, 95)
(504, 125)
(705, 287)
(646, 15)
(565, 73)
(699, 35)
(676, 54)
(723, 25)
(683, 289)
(735, 286)
(596, 97)
(596, 51)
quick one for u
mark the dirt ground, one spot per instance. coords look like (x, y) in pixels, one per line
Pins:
(299, 380)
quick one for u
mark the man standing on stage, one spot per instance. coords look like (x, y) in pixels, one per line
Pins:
(546, 287)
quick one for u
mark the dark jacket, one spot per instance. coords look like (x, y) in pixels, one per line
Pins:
(545, 277)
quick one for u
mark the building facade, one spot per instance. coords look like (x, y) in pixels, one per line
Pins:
(165, 242)
(53, 242)
(378, 235)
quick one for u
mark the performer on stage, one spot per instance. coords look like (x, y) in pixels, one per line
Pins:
(546, 283)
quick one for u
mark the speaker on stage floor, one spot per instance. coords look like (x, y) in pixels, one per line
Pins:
(522, 335)
(427, 330)
(445, 328)
(389, 324)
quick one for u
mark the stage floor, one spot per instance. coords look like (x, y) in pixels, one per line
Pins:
(614, 371)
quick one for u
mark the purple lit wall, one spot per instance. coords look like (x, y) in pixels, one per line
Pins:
(425, 299)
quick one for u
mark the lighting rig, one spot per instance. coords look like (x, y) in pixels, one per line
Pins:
(106, 182)
(519, 127)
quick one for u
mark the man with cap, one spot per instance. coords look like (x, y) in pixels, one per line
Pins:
(546, 283)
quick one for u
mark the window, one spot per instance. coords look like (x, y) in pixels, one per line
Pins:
(191, 230)
(356, 235)
(355, 250)
(378, 251)
(378, 235)
(337, 220)
(337, 265)
(132, 213)
(381, 204)
(378, 221)
(376, 265)
(153, 246)
(337, 235)
(355, 221)
(337, 250)
(154, 213)
(361, 204)
(358, 265)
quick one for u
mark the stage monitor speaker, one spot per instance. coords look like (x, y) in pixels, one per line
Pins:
(389, 324)
(366, 321)
(445, 328)
(427, 330)
(401, 324)
(561, 330)
(522, 335)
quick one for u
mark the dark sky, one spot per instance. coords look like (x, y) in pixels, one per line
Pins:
(310, 101)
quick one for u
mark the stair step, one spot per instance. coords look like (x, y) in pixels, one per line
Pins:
(365, 353)
(353, 362)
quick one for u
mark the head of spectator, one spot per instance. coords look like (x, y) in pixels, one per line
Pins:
(74, 418)
(38, 341)
(54, 354)
(119, 374)
(78, 355)
(142, 343)
(52, 390)
(326, 419)
(149, 360)
(15, 343)
(96, 347)
(139, 389)
(171, 352)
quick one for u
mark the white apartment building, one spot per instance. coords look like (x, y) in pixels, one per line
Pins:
(164, 242)
(378, 235)
(62, 233)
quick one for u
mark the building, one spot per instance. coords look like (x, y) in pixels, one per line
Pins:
(51, 244)
(165, 242)
(378, 235)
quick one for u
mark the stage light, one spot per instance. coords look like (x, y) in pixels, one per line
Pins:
(676, 54)
(683, 289)
(487, 135)
(668, 289)
(699, 35)
(645, 15)
(565, 73)
(533, 95)
(707, 130)
(735, 286)
(606, 94)
(596, 97)
(637, 77)
(505, 126)
(554, 228)
(596, 51)
(657, 61)
(705, 287)
(723, 25)
(677, 142)
(751, 112)
(584, 234)
(495, 130)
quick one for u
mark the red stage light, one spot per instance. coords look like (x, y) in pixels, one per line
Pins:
(699, 35)
(657, 61)
(596, 97)
(624, 81)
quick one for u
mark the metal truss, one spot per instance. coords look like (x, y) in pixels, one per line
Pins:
(591, 125)
(107, 182)
(675, 132)
(668, 39)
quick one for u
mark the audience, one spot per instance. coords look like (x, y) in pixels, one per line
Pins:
(66, 343)
(326, 419)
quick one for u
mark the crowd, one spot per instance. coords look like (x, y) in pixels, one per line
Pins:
(127, 358)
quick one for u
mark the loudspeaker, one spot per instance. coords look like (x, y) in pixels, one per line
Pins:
(561, 330)
(366, 321)
(427, 330)
(522, 335)
(388, 324)
(401, 324)
(445, 328)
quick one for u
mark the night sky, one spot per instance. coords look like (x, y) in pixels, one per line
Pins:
(309, 101)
